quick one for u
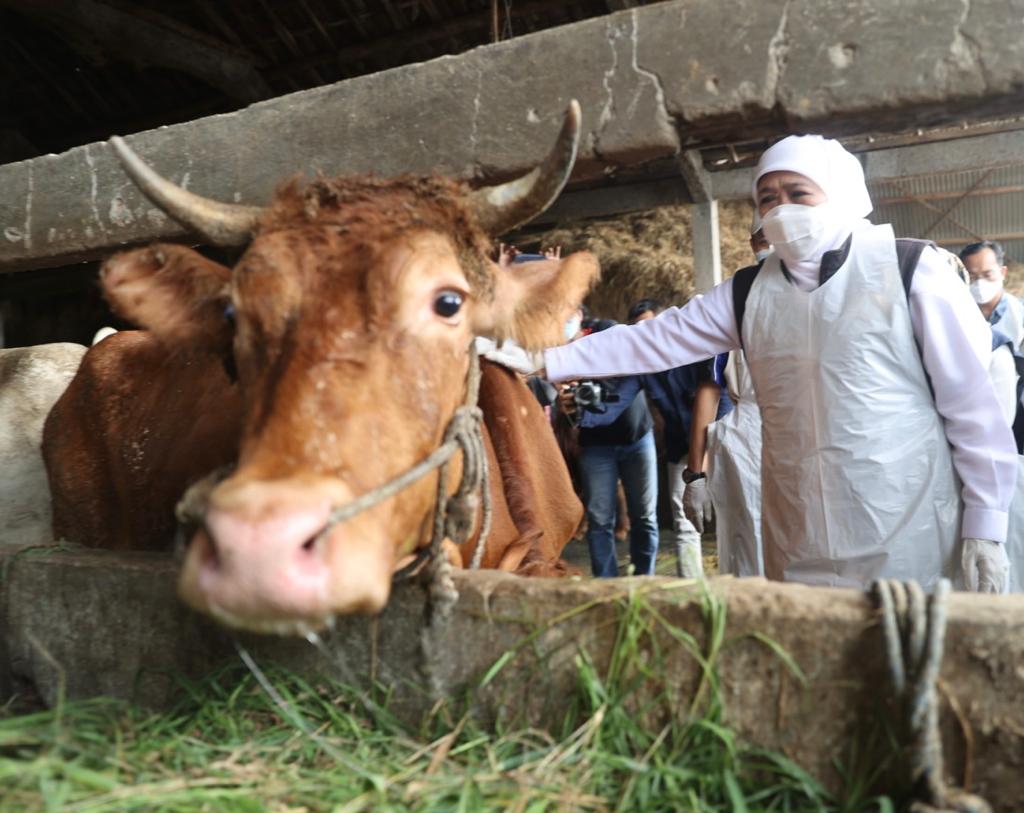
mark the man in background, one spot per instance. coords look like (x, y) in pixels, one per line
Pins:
(986, 268)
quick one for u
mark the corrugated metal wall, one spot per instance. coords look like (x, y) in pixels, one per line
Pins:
(936, 207)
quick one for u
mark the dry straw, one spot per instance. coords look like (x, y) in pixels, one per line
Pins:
(650, 254)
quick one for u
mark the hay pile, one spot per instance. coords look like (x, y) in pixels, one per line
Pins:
(650, 254)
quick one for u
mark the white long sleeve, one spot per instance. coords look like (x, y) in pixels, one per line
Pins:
(704, 327)
(955, 343)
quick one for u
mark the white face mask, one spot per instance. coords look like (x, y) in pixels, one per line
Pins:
(797, 231)
(760, 255)
(572, 327)
(985, 290)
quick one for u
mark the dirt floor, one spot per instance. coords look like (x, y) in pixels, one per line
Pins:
(576, 554)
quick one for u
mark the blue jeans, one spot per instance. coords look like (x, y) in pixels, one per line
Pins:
(600, 470)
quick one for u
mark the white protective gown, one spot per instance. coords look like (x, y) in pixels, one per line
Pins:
(734, 479)
(858, 477)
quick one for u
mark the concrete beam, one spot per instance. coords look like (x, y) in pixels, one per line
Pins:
(978, 152)
(732, 184)
(698, 179)
(693, 72)
(111, 625)
(613, 200)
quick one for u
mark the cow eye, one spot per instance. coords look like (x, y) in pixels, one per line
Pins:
(229, 313)
(447, 304)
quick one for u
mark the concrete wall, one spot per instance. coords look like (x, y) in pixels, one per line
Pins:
(649, 79)
(98, 623)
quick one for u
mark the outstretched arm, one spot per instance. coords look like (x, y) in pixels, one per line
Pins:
(705, 327)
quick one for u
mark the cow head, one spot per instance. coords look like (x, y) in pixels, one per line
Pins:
(349, 319)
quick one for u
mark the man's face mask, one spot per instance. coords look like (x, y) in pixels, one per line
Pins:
(797, 231)
(761, 254)
(985, 290)
(572, 327)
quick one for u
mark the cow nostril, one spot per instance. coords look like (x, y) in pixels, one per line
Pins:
(311, 544)
(209, 556)
(211, 559)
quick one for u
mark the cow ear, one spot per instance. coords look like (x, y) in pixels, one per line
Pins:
(172, 291)
(532, 301)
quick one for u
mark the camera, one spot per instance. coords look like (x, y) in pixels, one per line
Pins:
(588, 394)
(592, 396)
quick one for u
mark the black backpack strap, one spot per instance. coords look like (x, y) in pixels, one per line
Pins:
(742, 282)
(908, 252)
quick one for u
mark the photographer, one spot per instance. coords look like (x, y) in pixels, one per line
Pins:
(616, 441)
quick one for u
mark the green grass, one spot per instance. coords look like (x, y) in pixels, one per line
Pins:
(624, 744)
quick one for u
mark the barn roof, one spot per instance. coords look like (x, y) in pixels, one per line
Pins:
(73, 73)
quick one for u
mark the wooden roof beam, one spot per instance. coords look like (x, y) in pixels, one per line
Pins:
(408, 38)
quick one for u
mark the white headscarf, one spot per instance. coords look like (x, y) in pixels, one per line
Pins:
(840, 176)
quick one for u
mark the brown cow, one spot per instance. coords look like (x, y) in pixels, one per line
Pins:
(348, 320)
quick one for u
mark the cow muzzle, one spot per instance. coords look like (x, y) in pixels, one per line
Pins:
(278, 557)
(266, 560)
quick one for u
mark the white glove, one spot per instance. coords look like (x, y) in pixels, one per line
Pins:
(697, 503)
(986, 566)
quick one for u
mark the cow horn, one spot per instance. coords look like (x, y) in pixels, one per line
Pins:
(222, 224)
(501, 208)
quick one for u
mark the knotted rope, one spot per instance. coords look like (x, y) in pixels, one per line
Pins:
(914, 628)
(454, 516)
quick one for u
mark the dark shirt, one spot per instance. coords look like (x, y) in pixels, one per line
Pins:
(625, 418)
(543, 390)
(672, 392)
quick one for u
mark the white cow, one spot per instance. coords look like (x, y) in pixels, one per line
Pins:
(31, 380)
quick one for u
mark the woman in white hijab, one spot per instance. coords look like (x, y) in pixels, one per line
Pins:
(871, 374)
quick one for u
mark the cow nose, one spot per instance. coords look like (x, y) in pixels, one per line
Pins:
(267, 559)
(267, 566)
